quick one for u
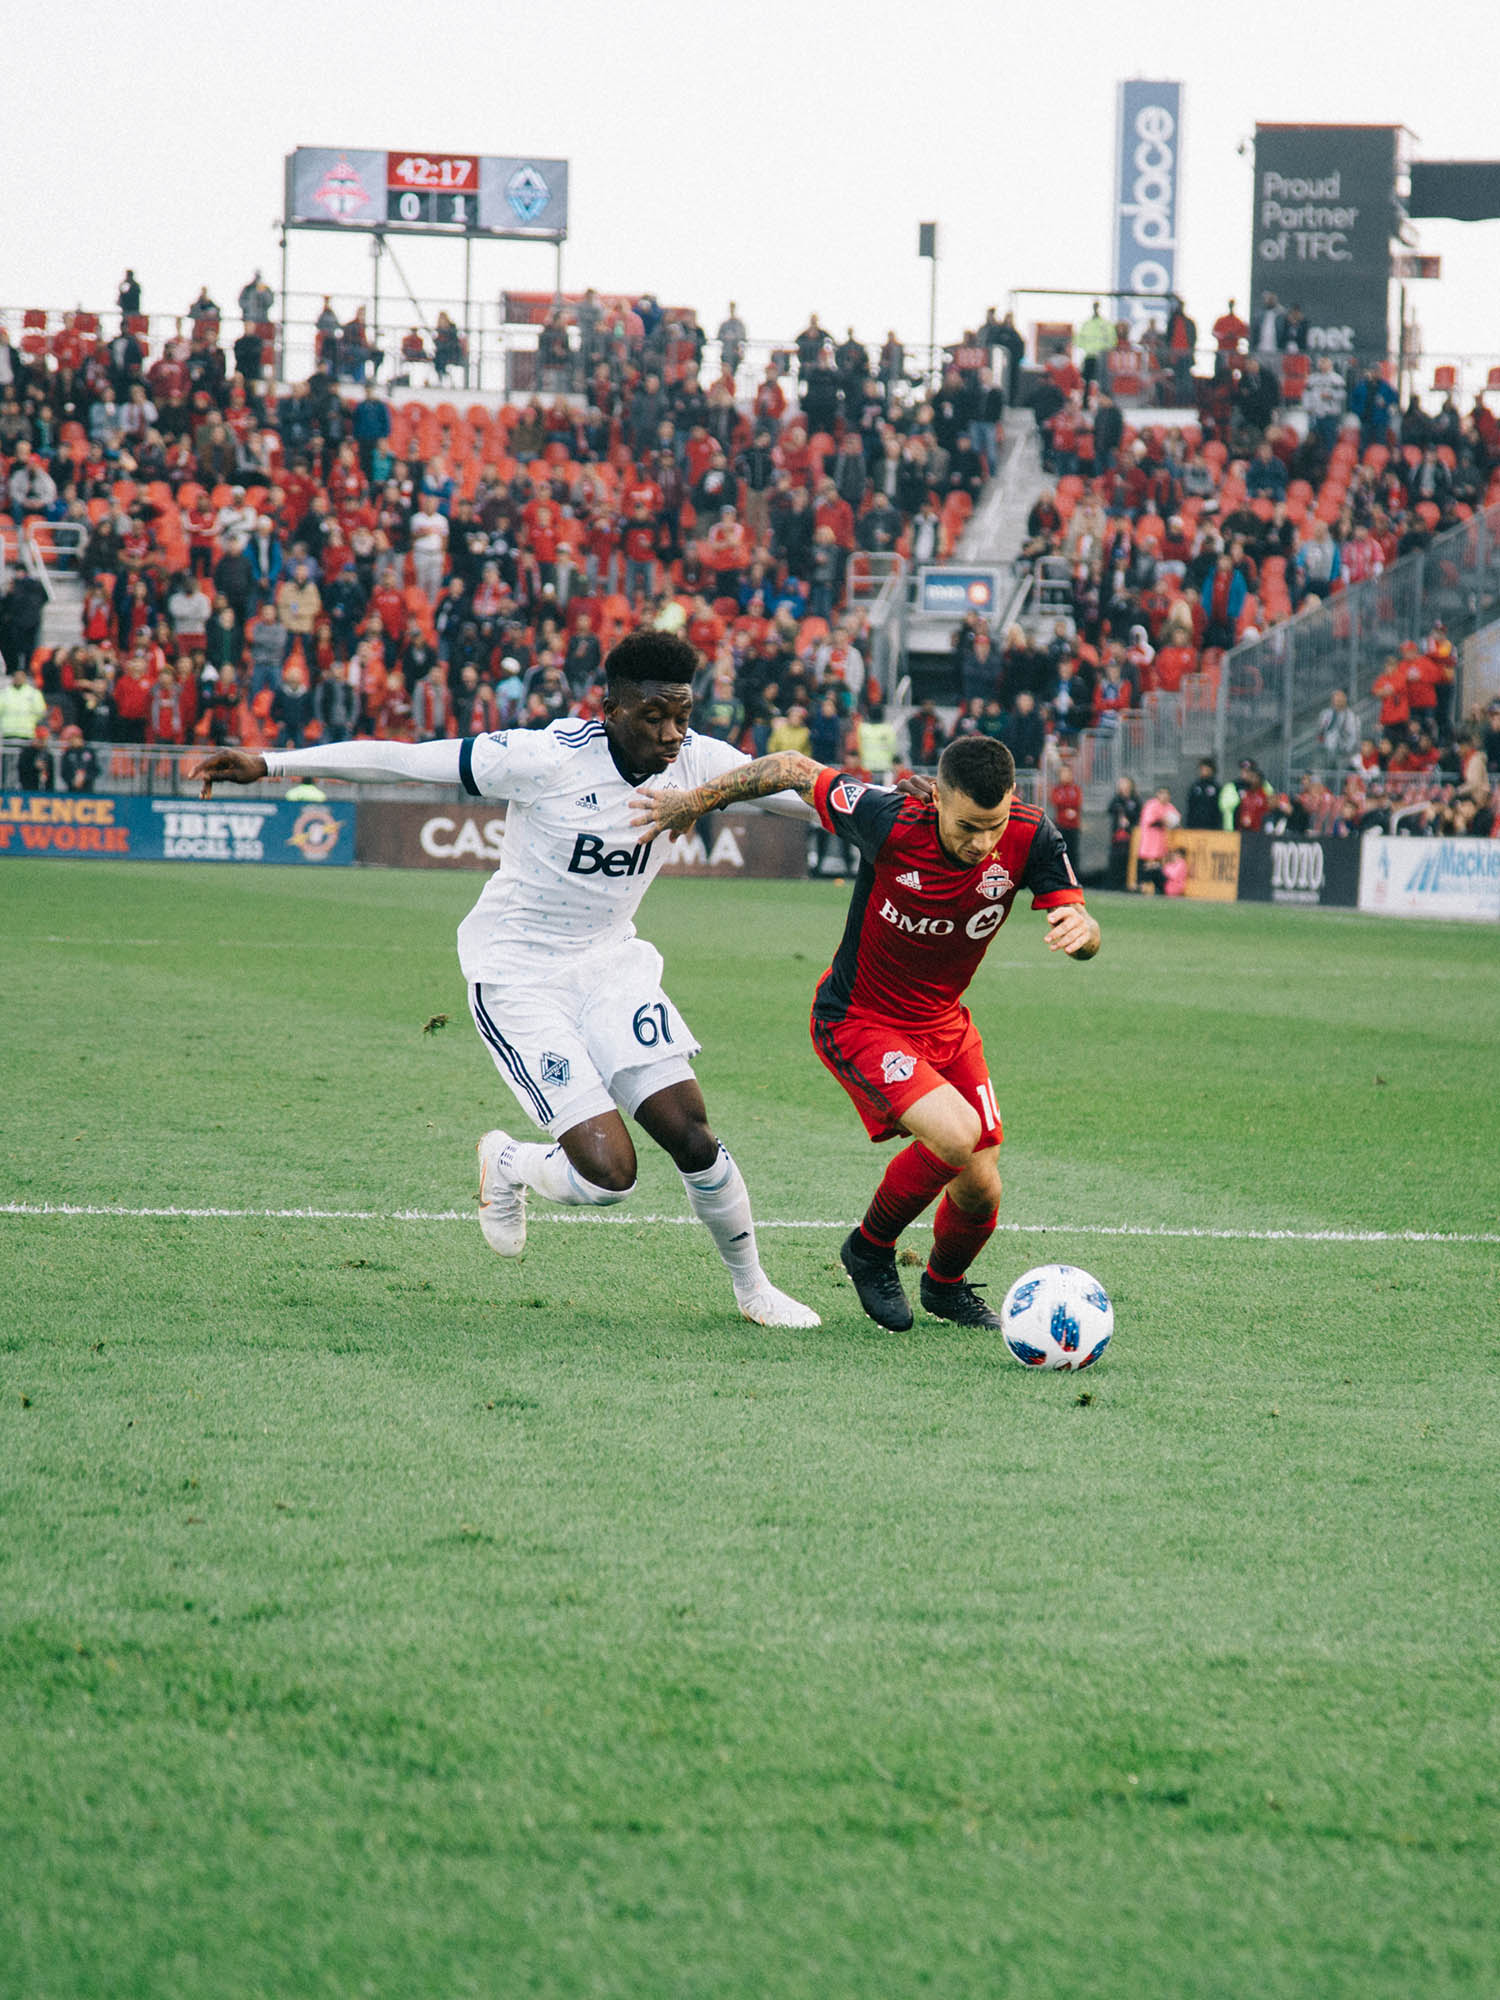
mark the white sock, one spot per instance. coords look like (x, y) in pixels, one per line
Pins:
(549, 1170)
(721, 1201)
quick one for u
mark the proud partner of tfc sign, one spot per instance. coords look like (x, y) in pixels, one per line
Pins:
(1324, 212)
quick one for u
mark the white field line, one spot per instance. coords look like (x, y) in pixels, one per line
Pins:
(68, 1208)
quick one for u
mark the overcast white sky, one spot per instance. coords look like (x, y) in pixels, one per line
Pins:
(782, 157)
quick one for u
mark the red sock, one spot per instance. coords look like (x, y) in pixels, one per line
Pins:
(911, 1181)
(957, 1240)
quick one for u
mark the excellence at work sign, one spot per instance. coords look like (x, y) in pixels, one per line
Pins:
(98, 827)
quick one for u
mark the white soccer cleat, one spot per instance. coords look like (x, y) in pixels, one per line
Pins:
(768, 1307)
(502, 1198)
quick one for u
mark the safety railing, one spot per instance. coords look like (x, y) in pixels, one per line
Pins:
(495, 355)
(1268, 684)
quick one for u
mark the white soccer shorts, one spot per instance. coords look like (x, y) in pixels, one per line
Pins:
(600, 1033)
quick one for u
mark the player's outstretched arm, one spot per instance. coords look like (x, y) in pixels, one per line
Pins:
(368, 762)
(228, 767)
(1070, 928)
(677, 813)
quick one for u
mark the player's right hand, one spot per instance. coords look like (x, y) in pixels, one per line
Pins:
(228, 767)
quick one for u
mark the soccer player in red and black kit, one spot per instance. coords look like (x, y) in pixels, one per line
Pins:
(936, 881)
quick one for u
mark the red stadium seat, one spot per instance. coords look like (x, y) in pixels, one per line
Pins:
(1445, 379)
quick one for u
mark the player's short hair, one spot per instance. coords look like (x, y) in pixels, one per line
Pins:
(650, 656)
(979, 767)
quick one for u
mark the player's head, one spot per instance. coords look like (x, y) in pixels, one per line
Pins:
(648, 698)
(976, 784)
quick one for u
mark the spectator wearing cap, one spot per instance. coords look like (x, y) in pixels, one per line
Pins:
(79, 766)
(1254, 799)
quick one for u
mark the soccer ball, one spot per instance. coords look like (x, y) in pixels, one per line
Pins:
(1057, 1317)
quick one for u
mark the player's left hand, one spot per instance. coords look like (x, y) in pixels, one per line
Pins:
(916, 787)
(1070, 928)
(672, 813)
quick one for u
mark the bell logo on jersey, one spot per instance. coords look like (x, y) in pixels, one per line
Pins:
(896, 1066)
(843, 795)
(995, 882)
(590, 857)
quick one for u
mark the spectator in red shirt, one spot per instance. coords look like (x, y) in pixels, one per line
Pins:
(1393, 689)
(1255, 798)
(1066, 806)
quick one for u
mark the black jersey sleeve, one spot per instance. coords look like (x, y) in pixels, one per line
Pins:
(1049, 873)
(858, 812)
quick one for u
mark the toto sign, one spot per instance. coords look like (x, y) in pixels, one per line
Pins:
(1315, 873)
(1147, 152)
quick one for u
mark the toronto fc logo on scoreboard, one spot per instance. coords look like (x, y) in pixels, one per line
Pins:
(341, 191)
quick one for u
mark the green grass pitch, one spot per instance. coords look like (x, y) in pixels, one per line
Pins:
(377, 1618)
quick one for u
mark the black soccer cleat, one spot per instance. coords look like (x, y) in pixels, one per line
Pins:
(959, 1302)
(876, 1283)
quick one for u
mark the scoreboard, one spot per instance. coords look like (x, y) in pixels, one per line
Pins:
(433, 188)
(421, 193)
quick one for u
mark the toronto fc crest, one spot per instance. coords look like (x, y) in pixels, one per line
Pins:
(995, 882)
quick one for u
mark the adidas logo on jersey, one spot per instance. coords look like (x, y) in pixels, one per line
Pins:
(588, 803)
(911, 881)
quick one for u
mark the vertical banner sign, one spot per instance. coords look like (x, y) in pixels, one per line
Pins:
(1324, 212)
(1148, 118)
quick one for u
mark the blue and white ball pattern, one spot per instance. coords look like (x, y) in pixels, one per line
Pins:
(1057, 1317)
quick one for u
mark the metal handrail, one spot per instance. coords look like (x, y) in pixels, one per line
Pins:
(1265, 682)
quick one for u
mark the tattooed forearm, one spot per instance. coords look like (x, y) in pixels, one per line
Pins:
(783, 771)
(678, 812)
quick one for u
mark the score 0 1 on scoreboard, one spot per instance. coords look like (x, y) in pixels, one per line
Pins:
(352, 187)
(433, 188)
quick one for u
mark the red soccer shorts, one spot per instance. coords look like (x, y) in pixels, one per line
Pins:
(885, 1069)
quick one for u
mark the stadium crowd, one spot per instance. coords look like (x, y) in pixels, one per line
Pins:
(277, 568)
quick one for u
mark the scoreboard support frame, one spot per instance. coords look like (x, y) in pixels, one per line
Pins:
(378, 232)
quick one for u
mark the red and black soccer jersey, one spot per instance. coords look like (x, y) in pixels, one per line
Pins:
(919, 923)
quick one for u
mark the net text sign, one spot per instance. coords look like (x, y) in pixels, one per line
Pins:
(1322, 232)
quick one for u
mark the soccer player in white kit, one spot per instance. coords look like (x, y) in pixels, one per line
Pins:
(566, 997)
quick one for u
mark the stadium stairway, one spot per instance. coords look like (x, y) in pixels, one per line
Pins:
(62, 621)
(996, 531)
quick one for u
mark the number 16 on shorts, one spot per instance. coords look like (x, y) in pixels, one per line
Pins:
(990, 1133)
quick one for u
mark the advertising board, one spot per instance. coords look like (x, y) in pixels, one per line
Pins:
(1213, 861)
(1324, 215)
(1307, 874)
(1402, 876)
(95, 826)
(1148, 155)
(953, 592)
(398, 834)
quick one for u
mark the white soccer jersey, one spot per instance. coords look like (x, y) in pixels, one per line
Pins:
(571, 877)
